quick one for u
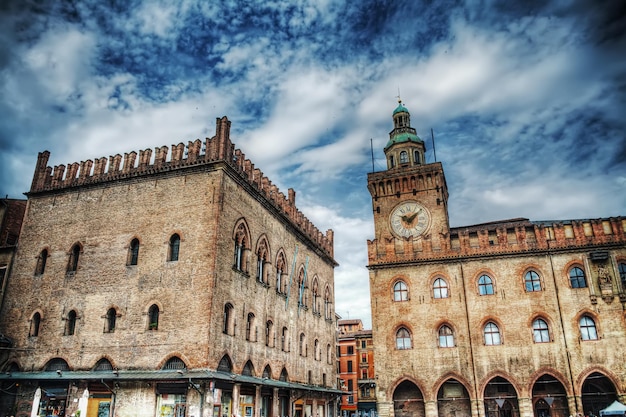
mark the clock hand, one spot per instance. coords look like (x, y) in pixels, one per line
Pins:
(410, 219)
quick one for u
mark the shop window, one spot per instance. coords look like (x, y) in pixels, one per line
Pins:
(485, 285)
(41, 262)
(133, 252)
(541, 332)
(174, 248)
(532, 282)
(70, 323)
(153, 317)
(588, 329)
(577, 278)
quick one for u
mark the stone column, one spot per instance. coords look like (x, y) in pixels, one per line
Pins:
(235, 410)
(385, 408)
(257, 401)
(430, 408)
(478, 407)
(275, 403)
(525, 407)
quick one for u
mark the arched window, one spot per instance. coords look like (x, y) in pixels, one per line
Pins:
(174, 248)
(622, 274)
(577, 278)
(400, 291)
(70, 323)
(228, 319)
(284, 376)
(225, 365)
(262, 261)
(248, 369)
(72, 264)
(485, 285)
(302, 345)
(329, 354)
(250, 330)
(417, 157)
(174, 363)
(316, 296)
(281, 278)
(492, 334)
(284, 341)
(153, 317)
(269, 333)
(35, 321)
(41, 262)
(532, 282)
(242, 245)
(403, 339)
(404, 157)
(446, 337)
(316, 348)
(302, 287)
(111, 318)
(328, 313)
(103, 365)
(588, 329)
(133, 252)
(440, 288)
(267, 372)
(541, 332)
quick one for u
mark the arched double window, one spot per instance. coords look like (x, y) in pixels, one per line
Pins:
(485, 285)
(400, 291)
(440, 288)
(491, 333)
(403, 339)
(541, 331)
(302, 288)
(532, 282)
(446, 336)
(242, 246)
(588, 329)
(577, 277)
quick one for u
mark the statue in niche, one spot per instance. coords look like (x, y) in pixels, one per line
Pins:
(604, 275)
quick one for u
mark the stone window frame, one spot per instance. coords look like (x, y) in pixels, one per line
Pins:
(446, 337)
(589, 329)
(241, 241)
(440, 291)
(533, 278)
(263, 256)
(281, 272)
(403, 338)
(484, 287)
(173, 247)
(489, 333)
(577, 277)
(541, 330)
(400, 291)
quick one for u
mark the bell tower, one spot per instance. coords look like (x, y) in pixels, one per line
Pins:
(410, 198)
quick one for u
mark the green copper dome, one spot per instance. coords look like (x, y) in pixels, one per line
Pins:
(402, 138)
(400, 108)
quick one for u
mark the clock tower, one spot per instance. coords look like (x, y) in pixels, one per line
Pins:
(409, 199)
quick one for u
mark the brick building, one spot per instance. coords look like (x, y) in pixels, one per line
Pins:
(182, 283)
(366, 382)
(509, 318)
(347, 363)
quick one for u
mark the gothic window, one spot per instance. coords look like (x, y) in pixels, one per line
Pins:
(111, 318)
(302, 345)
(284, 341)
(400, 291)
(229, 319)
(41, 262)
(302, 287)
(327, 305)
(35, 322)
(262, 256)
(485, 285)
(316, 296)
(103, 365)
(440, 288)
(532, 282)
(250, 332)
(446, 336)
(70, 323)
(403, 339)
(174, 363)
(588, 329)
(225, 365)
(133, 252)
(541, 332)
(242, 242)
(72, 264)
(281, 277)
(267, 372)
(316, 352)
(404, 157)
(153, 317)
(248, 369)
(622, 275)
(269, 333)
(577, 278)
(284, 376)
(492, 334)
(174, 248)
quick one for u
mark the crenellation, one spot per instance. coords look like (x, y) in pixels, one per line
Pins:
(134, 163)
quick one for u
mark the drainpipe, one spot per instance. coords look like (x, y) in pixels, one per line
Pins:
(471, 346)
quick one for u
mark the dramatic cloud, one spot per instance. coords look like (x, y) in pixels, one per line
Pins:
(526, 101)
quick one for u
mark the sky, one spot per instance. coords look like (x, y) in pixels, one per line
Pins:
(526, 100)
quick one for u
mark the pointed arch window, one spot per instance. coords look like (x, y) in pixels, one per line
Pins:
(440, 288)
(111, 318)
(588, 329)
(281, 279)
(72, 264)
(103, 365)
(35, 322)
(302, 287)
(70, 323)
(532, 282)
(41, 262)
(541, 331)
(316, 296)
(174, 248)
(267, 372)
(485, 285)
(446, 337)
(225, 364)
(400, 291)
(577, 278)
(284, 376)
(262, 255)
(491, 333)
(241, 246)
(153, 317)
(327, 305)
(133, 252)
(403, 339)
(248, 369)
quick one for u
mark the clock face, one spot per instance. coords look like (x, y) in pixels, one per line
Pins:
(409, 219)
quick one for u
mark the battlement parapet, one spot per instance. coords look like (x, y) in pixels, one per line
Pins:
(219, 148)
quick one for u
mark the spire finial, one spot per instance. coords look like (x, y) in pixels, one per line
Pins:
(399, 99)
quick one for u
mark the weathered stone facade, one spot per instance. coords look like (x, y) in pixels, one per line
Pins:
(187, 283)
(510, 318)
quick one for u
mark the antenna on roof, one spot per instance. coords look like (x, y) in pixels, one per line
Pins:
(432, 135)
(372, 149)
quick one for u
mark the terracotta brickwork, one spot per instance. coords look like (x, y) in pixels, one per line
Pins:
(213, 201)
